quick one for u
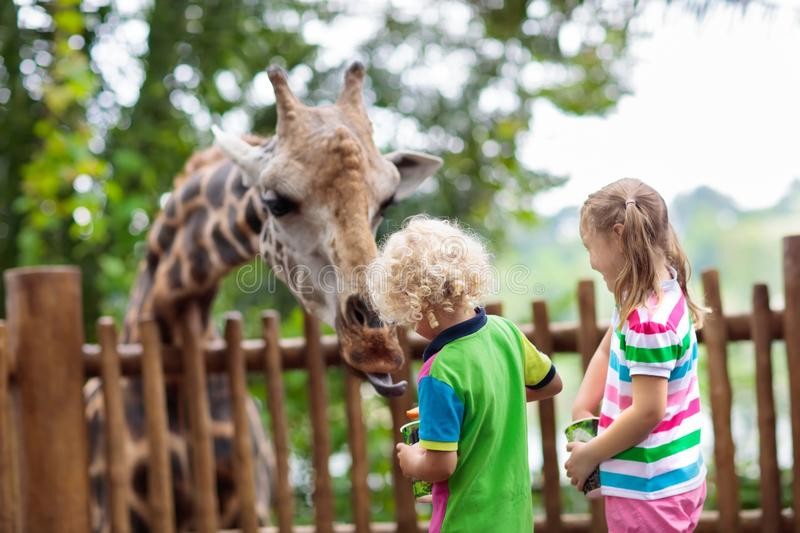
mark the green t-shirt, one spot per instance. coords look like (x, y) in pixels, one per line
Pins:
(472, 400)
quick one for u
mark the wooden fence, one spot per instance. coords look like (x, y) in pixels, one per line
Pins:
(43, 444)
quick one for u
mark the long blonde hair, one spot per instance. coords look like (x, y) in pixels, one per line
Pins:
(646, 233)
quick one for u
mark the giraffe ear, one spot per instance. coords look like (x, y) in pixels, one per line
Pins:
(414, 167)
(245, 155)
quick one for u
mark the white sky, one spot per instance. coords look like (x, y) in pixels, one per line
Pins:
(715, 102)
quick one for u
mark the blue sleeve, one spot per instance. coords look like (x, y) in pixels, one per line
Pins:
(440, 415)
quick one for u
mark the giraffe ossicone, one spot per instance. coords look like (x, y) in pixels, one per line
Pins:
(244, 156)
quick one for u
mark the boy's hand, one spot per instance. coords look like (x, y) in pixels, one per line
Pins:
(580, 464)
(408, 457)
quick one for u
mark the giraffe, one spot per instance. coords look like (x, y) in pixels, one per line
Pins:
(308, 201)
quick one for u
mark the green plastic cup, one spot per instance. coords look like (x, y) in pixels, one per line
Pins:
(422, 489)
(584, 430)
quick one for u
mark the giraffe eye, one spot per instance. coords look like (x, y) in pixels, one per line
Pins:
(278, 204)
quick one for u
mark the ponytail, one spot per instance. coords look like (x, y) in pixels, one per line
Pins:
(638, 277)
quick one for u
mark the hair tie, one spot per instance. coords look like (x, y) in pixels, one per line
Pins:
(629, 202)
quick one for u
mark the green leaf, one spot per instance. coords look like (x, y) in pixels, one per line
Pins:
(127, 161)
(69, 20)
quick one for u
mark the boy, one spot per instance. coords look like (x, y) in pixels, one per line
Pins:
(477, 372)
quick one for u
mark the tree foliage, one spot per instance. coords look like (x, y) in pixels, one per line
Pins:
(104, 104)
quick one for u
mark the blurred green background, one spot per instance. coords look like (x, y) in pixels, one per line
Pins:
(101, 103)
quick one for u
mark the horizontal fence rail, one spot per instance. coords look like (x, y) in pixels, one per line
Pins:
(292, 351)
(44, 364)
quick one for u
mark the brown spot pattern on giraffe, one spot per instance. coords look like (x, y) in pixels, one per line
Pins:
(171, 209)
(191, 190)
(215, 189)
(226, 250)
(242, 240)
(199, 262)
(174, 274)
(166, 236)
(254, 221)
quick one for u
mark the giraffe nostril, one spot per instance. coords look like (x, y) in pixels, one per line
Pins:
(361, 314)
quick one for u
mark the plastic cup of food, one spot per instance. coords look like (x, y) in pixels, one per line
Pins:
(422, 489)
(584, 430)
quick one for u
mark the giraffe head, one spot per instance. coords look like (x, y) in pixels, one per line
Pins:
(324, 186)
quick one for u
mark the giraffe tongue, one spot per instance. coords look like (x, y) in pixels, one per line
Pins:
(385, 386)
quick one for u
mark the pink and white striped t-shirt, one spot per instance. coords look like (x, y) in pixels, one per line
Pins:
(655, 340)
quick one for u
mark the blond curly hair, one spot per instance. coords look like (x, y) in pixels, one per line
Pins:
(429, 265)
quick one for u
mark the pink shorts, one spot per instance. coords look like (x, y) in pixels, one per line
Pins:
(679, 513)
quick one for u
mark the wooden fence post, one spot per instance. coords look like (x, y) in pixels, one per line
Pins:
(543, 339)
(588, 340)
(768, 460)
(117, 475)
(9, 489)
(196, 397)
(716, 339)
(273, 372)
(357, 442)
(406, 513)
(242, 441)
(318, 405)
(159, 479)
(45, 333)
(791, 333)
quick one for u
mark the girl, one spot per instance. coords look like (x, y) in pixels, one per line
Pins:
(645, 369)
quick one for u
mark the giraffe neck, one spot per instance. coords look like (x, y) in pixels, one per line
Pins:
(210, 225)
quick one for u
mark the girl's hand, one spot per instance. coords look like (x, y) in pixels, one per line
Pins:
(581, 463)
(408, 457)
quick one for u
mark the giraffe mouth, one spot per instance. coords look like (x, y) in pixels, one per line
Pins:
(370, 346)
(385, 386)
